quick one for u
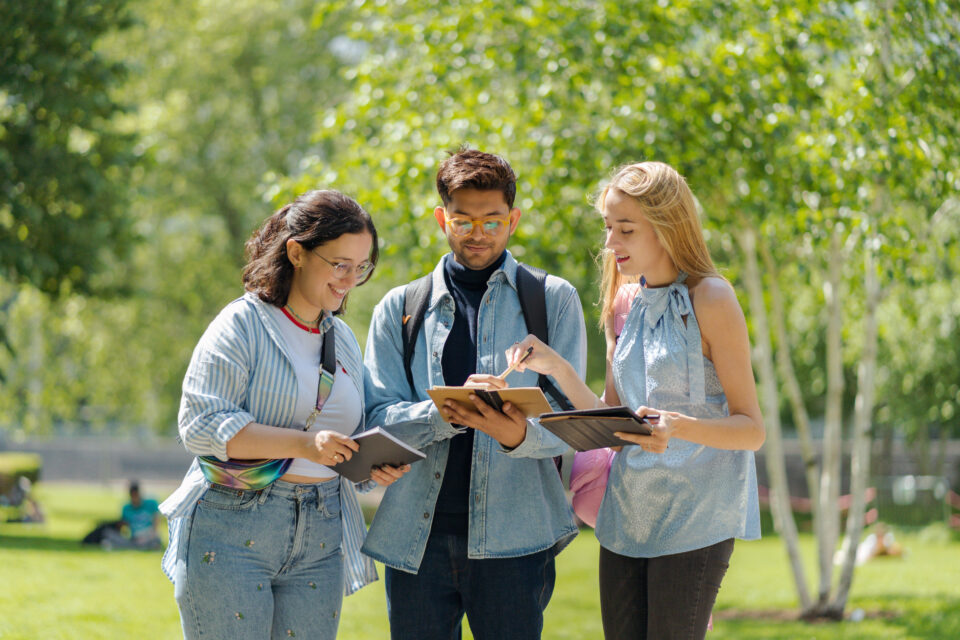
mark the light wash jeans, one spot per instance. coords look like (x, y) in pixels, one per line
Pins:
(264, 564)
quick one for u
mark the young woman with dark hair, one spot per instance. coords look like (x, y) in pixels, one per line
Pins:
(264, 535)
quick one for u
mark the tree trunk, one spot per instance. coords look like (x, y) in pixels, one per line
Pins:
(830, 477)
(788, 376)
(36, 418)
(921, 448)
(862, 439)
(776, 463)
(941, 466)
(885, 464)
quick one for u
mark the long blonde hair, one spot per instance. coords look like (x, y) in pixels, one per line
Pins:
(669, 205)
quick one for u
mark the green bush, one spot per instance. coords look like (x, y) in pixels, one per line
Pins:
(14, 464)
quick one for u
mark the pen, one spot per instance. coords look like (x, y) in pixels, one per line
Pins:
(526, 354)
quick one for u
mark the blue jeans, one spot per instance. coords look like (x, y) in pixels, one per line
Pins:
(264, 564)
(503, 598)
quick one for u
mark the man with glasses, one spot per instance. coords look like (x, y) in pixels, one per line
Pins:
(474, 528)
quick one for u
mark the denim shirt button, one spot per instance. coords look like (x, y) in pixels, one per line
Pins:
(437, 475)
(426, 516)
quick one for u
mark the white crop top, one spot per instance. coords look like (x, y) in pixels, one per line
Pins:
(341, 412)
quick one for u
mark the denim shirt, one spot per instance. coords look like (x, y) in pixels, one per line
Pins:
(517, 501)
(240, 373)
(691, 496)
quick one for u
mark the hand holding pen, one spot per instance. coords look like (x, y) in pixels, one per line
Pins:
(493, 383)
(516, 363)
(531, 353)
(516, 359)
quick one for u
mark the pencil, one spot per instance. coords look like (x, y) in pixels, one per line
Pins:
(526, 354)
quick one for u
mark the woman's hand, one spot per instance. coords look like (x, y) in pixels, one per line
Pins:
(330, 448)
(486, 381)
(387, 475)
(542, 359)
(663, 429)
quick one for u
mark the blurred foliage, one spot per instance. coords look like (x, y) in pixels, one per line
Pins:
(793, 120)
(226, 94)
(63, 163)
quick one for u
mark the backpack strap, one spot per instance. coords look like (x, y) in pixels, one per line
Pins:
(416, 299)
(532, 291)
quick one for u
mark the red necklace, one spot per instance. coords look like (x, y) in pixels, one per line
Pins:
(297, 322)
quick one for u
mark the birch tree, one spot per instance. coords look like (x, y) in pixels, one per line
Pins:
(771, 111)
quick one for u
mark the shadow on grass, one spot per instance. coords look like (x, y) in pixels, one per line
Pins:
(889, 616)
(41, 543)
(930, 617)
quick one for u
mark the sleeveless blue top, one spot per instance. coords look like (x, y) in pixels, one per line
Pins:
(691, 496)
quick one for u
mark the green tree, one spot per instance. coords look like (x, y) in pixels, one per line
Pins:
(223, 97)
(63, 163)
(808, 128)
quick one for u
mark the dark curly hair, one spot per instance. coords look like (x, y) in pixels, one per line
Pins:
(313, 219)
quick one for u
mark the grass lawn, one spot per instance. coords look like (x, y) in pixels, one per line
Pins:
(56, 589)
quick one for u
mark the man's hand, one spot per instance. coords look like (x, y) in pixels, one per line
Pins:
(508, 427)
(387, 475)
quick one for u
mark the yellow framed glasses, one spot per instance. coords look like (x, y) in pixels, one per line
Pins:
(463, 226)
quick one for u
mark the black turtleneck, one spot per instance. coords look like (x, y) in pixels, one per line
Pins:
(467, 286)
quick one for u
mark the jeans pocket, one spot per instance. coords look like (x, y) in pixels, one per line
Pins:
(227, 499)
(331, 506)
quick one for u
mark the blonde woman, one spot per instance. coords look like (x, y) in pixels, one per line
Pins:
(678, 498)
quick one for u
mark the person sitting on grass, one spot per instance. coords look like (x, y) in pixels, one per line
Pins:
(140, 517)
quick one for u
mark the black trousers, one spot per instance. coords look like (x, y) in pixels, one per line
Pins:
(668, 597)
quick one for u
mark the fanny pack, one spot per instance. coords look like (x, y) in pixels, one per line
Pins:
(257, 474)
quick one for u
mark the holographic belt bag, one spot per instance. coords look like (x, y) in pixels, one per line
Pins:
(257, 474)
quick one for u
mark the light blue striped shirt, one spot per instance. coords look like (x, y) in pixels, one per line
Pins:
(240, 373)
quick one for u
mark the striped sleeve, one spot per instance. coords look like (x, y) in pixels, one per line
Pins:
(214, 391)
(358, 569)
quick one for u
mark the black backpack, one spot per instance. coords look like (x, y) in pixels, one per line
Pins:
(531, 288)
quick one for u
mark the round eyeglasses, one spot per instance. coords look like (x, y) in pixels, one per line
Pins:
(361, 272)
(462, 226)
